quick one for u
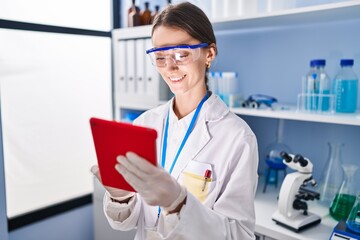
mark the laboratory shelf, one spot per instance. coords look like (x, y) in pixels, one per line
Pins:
(348, 10)
(291, 17)
(292, 114)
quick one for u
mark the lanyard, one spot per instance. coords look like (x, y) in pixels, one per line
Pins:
(187, 134)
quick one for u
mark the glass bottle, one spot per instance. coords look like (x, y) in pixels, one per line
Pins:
(332, 175)
(133, 15)
(346, 87)
(344, 200)
(353, 221)
(145, 16)
(317, 87)
(155, 13)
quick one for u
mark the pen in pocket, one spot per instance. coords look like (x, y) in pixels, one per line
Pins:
(207, 175)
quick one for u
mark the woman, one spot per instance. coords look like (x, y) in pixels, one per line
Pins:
(205, 182)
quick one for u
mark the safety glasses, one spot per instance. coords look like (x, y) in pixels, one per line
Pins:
(180, 55)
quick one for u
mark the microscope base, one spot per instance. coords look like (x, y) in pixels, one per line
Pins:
(297, 223)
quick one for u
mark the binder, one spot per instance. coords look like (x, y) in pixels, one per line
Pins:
(140, 66)
(130, 67)
(152, 77)
(120, 67)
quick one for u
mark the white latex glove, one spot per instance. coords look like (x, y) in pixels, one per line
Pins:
(154, 184)
(115, 193)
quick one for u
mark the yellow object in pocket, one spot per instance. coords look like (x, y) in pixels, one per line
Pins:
(195, 185)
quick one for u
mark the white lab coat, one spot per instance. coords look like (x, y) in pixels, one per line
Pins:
(222, 142)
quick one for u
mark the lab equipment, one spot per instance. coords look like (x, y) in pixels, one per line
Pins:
(229, 89)
(292, 211)
(273, 159)
(316, 94)
(155, 13)
(346, 87)
(353, 221)
(332, 175)
(134, 15)
(341, 231)
(256, 100)
(213, 81)
(145, 15)
(344, 199)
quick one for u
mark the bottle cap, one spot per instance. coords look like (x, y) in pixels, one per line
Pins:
(317, 62)
(346, 62)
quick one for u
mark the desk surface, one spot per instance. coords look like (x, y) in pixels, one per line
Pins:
(266, 205)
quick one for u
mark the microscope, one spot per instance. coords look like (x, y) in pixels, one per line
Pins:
(292, 211)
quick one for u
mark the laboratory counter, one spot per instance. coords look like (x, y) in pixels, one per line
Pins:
(266, 205)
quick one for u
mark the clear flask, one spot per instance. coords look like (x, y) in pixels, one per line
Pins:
(345, 198)
(332, 175)
(353, 221)
(317, 87)
(346, 87)
(273, 160)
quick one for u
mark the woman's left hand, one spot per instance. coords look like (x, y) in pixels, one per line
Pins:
(154, 184)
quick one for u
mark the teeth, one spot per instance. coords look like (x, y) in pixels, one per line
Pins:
(175, 79)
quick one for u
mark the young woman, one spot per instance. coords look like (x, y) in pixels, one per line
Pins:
(205, 182)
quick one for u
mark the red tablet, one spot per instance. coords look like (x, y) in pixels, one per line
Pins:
(112, 139)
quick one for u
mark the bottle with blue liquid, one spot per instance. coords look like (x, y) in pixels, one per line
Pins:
(346, 88)
(317, 87)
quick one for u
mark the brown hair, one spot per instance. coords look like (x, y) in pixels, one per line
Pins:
(189, 18)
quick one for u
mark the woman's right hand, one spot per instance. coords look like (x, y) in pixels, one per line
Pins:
(115, 193)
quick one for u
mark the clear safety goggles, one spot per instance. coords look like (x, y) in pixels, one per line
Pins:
(180, 55)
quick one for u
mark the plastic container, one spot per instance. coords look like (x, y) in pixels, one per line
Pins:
(237, 8)
(317, 95)
(229, 89)
(213, 81)
(346, 88)
(279, 5)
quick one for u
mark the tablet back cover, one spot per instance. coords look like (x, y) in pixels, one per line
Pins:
(112, 139)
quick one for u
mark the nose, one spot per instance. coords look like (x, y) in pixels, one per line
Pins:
(170, 62)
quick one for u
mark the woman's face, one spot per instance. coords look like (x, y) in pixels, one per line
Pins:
(182, 79)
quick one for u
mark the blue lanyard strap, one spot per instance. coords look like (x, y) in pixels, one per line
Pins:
(187, 134)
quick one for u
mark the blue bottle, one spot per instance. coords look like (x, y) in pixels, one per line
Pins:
(317, 87)
(346, 87)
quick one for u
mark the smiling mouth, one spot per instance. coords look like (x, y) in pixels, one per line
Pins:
(177, 79)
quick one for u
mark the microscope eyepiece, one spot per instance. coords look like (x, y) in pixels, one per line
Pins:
(303, 162)
(285, 156)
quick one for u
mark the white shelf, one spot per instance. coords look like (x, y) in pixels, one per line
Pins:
(292, 114)
(292, 17)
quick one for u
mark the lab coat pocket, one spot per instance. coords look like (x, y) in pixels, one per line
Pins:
(198, 178)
